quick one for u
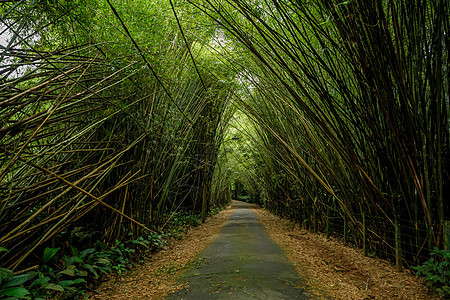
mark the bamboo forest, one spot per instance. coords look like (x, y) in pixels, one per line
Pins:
(124, 123)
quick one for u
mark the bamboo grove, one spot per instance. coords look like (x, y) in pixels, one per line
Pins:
(116, 114)
(351, 105)
(105, 124)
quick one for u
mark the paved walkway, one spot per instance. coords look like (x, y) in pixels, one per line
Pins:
(243, 262)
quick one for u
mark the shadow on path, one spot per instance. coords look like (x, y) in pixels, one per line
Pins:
(242, 262)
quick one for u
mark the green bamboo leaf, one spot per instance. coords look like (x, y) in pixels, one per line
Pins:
(325, 23)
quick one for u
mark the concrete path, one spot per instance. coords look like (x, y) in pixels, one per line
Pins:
(242, 262)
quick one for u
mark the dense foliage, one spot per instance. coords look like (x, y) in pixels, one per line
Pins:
(436, 271)
(70, 271)
(105, 121)
(115, 115)
(350, 101)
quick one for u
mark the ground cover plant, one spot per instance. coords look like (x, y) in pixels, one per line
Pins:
(70, 273)
(436, 271)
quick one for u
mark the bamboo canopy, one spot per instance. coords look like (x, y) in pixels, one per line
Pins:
(113, 116)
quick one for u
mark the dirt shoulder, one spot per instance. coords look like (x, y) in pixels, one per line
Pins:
(156, 277)
(334, 271)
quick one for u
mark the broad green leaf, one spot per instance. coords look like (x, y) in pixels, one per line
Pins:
(104, 270)
(49, 253)
(4, 274)
(65, 283)
(104, 261)
(16, 280)
(140, 243)
(16, 292)
(94, 273)
(86, 252)
(78, 281)
(69, 271)
(40, 281)
(74, 250)
(55, 287)
(74, 259)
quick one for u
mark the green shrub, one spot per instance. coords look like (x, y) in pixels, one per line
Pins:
(12, 286)
(245, 198)
(436, 271)
(67, 271)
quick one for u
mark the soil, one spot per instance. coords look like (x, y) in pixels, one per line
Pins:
(334, 271)
(329, 269)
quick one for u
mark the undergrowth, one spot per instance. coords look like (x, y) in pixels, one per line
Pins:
(436, 272)
(67, 273)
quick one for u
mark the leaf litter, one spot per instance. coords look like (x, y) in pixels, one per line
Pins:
(334, 271)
